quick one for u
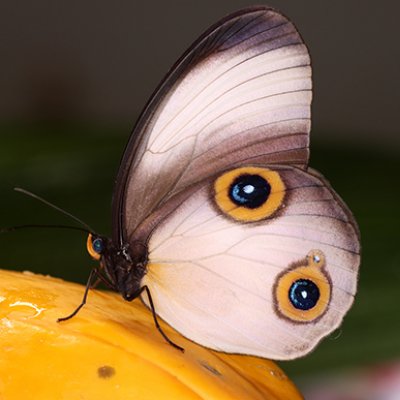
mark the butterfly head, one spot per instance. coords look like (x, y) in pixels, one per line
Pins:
(96, 246)
(122, 268)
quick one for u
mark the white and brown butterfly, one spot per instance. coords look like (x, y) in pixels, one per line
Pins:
(216, 213)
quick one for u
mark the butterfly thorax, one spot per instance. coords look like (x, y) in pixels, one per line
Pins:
(124, 267)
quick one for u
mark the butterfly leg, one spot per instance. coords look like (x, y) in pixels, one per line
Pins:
(153, 311)
(90, 284)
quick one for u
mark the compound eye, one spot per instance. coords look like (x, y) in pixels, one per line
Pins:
(95, 246)
(302, 292)
(249, 193)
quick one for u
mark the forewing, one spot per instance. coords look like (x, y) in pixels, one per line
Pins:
(225, 283)
(241, 93)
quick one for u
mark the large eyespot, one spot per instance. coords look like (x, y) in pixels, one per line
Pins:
(249, 193)
(95, 246)
(302, 293)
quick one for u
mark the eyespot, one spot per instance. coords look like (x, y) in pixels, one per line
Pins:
(249, 193)
(95, 246)
(302, 293)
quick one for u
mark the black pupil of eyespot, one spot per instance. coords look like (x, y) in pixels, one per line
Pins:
(304, 294)
(250, 191)
(97, 245)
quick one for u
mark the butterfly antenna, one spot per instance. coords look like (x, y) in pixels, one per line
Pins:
(76, 219)
(17, 227)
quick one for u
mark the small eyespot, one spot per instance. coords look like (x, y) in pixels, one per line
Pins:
(302, 292)
(249, 193)
(316, 258)
(95, 246)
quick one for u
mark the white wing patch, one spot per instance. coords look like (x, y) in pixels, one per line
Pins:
(232, 89)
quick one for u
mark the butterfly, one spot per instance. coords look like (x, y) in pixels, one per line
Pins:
(219, 225)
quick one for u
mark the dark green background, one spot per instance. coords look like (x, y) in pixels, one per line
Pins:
(74, 166)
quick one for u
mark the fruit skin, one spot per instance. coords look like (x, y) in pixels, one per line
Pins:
(112, 350)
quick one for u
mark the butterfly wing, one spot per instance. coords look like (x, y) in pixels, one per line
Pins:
(270, 279)
(241, 93)
(237, 280)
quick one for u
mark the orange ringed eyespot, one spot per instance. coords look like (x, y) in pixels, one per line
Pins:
(249, 194)
(302, 293)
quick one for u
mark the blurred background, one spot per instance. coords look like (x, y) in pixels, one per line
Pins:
(74, 77)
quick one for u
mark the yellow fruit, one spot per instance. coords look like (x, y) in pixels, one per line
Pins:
(112, 350)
